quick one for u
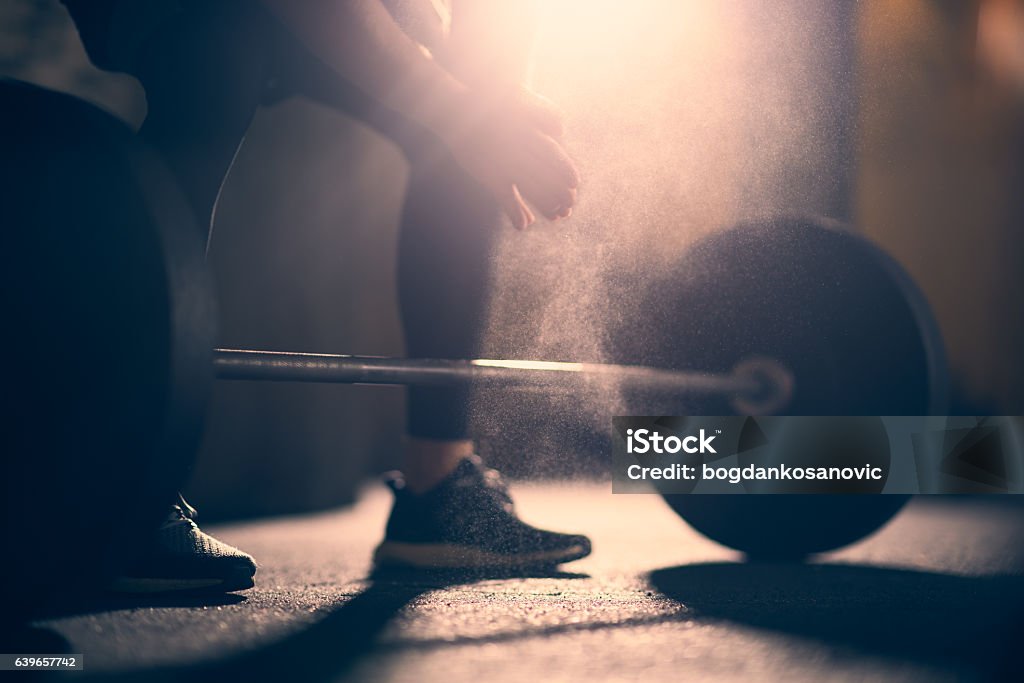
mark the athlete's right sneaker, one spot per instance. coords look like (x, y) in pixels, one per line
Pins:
(468, 522)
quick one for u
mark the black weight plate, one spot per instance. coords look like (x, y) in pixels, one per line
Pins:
(109, 330)
(838, 312)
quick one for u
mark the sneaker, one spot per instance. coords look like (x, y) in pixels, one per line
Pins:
(183, 558)
(468, 522)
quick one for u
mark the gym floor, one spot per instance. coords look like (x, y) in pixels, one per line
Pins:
(936, 595)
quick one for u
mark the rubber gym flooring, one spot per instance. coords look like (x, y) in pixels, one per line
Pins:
(936, 595)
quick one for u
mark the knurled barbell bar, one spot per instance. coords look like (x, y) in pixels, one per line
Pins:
(756, 386)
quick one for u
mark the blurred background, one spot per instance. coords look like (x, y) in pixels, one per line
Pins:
(904, 117)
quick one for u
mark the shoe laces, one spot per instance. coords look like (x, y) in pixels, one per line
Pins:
(497, 486)
(180, 513)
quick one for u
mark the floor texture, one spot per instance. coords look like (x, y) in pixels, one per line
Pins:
(936, 595)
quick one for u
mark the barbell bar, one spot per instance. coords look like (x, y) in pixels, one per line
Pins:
(756, 385)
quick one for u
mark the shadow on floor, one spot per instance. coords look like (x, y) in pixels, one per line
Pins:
(968, 625)
(974, 624)
(327, 649)
(97, 603)
(23, 636)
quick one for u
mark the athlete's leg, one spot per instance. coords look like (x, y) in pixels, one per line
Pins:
(204, 74)
(449, 510)
(447, 229)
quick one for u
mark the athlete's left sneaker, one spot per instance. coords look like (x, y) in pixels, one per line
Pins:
(468, 522)
(180, 557)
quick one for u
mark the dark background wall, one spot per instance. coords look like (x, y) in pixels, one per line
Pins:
(742, 120)
(941, 180)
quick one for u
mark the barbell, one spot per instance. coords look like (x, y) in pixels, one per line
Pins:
(110, 322)
(758, 386)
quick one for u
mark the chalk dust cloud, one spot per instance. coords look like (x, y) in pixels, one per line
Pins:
(684, 117)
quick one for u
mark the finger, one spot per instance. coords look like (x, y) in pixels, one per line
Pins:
(540, 197)
(512, 205)
(563, 212)
(549, 198)
(543, 113)
(555, 160)
(528, 217)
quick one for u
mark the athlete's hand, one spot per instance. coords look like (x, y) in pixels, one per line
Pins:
(510, 144)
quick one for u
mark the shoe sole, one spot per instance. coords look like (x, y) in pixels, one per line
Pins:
(448, 556)
(137, 585)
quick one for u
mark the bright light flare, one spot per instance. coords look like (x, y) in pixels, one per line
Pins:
(609, 41)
